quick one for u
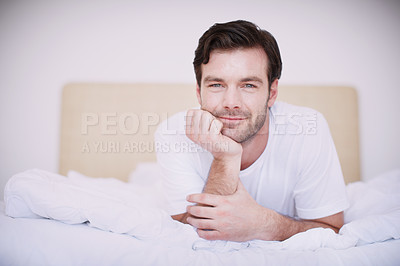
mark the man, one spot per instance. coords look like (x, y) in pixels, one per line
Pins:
(254, 177)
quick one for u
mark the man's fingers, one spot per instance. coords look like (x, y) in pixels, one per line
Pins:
(206, 119)
(201, 223)
(216, 127)
(196, 121)
(204, 198)
(193, 118)
(189, 121)
(210, 235)
(199, 123)
(202, 211)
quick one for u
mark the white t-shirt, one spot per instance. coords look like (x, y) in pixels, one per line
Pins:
(298, 174)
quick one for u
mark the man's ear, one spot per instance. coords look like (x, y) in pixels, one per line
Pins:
(198, 93)
(273, 93)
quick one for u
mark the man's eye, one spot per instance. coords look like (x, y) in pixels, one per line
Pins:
(249, 86)
(215, 85)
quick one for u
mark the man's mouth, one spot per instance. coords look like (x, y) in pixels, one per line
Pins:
(231, 118)
(231, 122)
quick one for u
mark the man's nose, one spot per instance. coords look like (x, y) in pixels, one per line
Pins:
(232, 98)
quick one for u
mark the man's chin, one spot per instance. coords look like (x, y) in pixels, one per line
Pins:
(233, 134)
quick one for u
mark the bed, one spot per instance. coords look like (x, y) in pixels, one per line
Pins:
(105, 206)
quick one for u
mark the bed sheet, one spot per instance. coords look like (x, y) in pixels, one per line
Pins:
(34, 241)
(27, 241)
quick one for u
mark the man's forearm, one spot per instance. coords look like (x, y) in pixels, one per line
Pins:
(223, 177)
(283, 227)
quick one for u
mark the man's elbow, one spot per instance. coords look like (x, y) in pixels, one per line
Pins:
(180, 217)
(335, 221)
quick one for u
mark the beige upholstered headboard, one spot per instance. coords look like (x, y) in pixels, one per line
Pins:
(107, 129)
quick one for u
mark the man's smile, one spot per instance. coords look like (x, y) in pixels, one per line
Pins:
(231, 118)
(231, 121)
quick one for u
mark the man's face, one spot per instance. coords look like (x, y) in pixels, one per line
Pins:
(234, 88)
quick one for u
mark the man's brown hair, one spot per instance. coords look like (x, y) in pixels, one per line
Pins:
(235, 35)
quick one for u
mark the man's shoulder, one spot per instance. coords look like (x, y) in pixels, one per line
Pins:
(174, 122)
(173, 126)
(291, 111)
(284, 107)
(299, 120)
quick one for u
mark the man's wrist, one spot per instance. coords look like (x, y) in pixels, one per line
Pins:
(269, 228)
(228, 158)
(226, 149)
(224, 175)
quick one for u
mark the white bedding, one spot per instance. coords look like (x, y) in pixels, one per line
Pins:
(143, 233)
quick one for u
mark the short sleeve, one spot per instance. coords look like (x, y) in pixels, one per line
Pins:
(320, 189)
(176, 156)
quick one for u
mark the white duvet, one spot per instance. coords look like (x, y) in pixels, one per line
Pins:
(136, 209)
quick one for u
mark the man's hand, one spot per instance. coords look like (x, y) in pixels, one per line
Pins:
(236, 217)
(205, 130)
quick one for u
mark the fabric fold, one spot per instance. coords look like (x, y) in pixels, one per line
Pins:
(37, 193)
(111, 205)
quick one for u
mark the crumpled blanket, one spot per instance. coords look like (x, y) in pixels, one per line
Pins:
(104, 203)
(112, 205)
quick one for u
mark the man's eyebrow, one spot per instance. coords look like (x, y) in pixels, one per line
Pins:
(246, 79)
(214, 79)
(252, 78)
